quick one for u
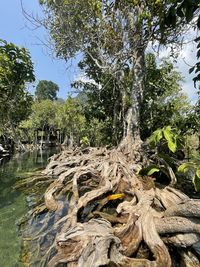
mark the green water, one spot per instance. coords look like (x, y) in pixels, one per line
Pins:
(13, 203)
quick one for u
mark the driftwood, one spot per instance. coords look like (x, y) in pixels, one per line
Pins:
(102, 213)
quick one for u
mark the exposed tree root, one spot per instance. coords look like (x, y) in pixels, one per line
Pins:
(101, 213)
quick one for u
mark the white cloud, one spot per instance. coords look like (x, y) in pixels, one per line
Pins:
(85, 79)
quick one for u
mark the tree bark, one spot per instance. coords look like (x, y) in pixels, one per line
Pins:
(138, 74)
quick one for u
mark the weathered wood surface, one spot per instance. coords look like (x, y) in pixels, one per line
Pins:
(143, 228)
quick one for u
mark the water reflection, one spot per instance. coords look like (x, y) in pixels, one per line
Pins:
(13, 202)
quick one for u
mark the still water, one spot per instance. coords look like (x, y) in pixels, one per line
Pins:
(13, 202)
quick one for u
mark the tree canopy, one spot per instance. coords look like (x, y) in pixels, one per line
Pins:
(115, 35)
(16, 70)
(46, 90)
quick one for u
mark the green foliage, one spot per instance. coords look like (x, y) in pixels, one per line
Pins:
(165, 162)
(44, 114)
(170, 138)
(70, 119)
(166, 135)
(16, 69)
(166, 142)
(164, 102)
(156, 137)
(196, 67)
(102, 100)
(50, 115)
(102, 22)
(46, 90)
(192, 169)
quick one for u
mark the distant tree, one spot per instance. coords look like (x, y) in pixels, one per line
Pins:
(42, 117)
(48, 116)
(46, 90)
(71, 121)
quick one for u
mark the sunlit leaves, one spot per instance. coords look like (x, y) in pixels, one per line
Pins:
(192, 169)
(75, 24)
(171, 138)
(166, 134)
(156, 137)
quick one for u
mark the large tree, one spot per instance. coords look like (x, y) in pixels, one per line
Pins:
(164, 102)
(115, 34)
(97, 231)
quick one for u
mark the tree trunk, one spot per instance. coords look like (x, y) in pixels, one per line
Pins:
(42, 137)
(17, 140)
(48, 136)
(138, 74)
(71, 140)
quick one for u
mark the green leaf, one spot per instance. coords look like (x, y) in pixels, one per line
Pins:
(196, 182)
(156, 137)
(170, 137)
(153, 170)
(149, 170)
(198, 172)
(172, 146)
(184, 167)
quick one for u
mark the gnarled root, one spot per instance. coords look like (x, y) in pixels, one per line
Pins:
(113, 218)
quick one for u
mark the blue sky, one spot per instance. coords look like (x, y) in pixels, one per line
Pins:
(15, 28)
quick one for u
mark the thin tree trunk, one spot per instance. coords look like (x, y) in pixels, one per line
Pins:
(71, 140)
(65, 141)
(17, 141)
(42, 137)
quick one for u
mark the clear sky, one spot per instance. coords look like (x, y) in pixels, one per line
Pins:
(15, 28)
